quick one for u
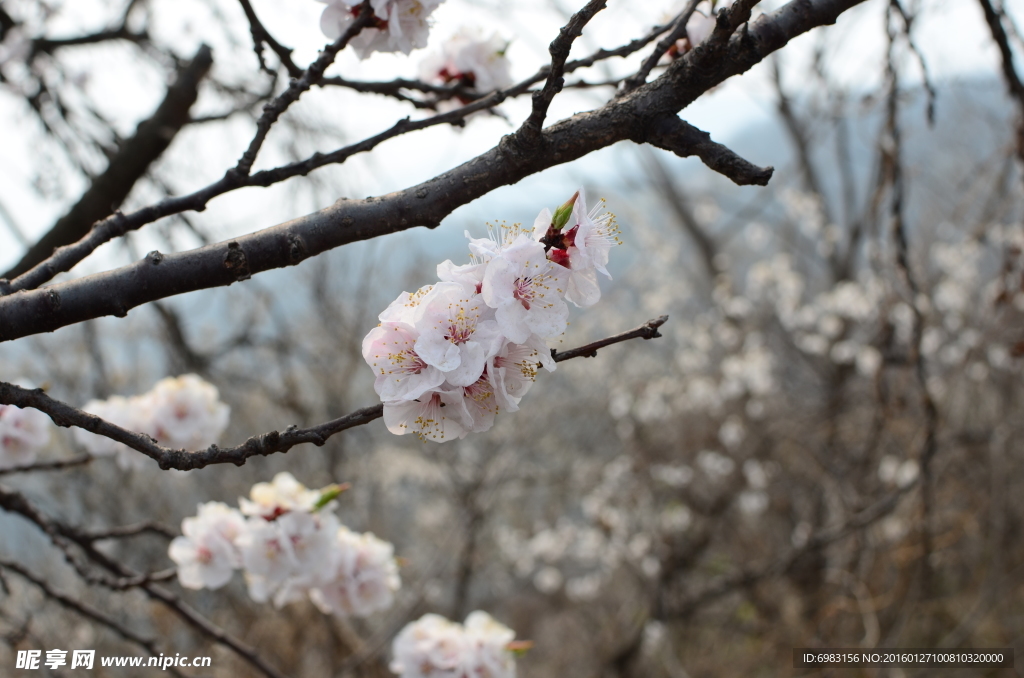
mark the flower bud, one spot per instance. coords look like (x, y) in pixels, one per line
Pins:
(329, 494)
(563, 213)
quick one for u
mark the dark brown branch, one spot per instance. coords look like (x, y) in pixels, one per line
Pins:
(47, 465)
(261, 445)
(649, 330)
(683, 139)
(559, 50)
(48, 45)
(126, 167)
(261, 36)
(158, 276)
(276, 108)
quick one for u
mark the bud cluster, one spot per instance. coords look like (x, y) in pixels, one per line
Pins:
(178, 412)
(289, 544)
(451, 355)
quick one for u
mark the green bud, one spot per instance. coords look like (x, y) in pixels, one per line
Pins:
(519, 647)
(329, 494)
(563, 213)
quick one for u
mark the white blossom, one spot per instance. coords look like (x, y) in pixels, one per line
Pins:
(469, 60)
(186, 412)
(437, 415)
(430, 647)
(433, 647)
(513, 369)
(584, 246)
(397, 25)
(23, 432)
(283, 494)
(457, 333)
(206, 555)
(362, 576)
(401, 373)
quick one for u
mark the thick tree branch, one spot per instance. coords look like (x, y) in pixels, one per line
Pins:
(151, 139)
(683, 139)
(629, 117)
(261, 445)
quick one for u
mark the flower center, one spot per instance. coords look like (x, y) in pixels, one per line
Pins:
(522, 290)
(407, 362)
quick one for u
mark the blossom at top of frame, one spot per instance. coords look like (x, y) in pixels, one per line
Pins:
(397, 25)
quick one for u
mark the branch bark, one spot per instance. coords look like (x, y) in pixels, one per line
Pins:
(683, 139)
(629, 117)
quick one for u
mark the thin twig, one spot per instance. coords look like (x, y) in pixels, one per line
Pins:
(47, 465)
(276, 108)
(559, 50)
(677, 33)
(84, 609)
(132, 530)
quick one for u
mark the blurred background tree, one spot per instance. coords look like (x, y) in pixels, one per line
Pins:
(820, 451)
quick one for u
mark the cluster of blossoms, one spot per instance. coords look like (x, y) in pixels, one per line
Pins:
(433, 647)
(449, 356)
(22, 434)
(179, 412)
(397, 26)
(471, 61)
(289, 544)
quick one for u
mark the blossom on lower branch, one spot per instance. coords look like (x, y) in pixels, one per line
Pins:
(433, 647)
(450, 356)
(289, 544)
